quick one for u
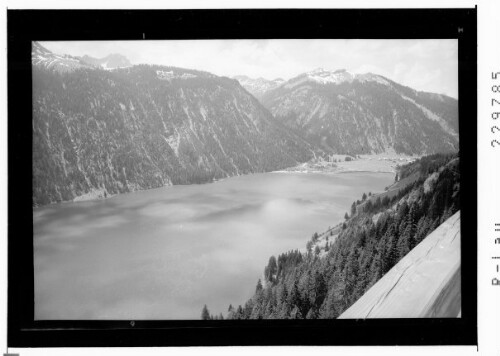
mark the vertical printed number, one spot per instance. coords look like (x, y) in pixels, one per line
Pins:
(494, 115)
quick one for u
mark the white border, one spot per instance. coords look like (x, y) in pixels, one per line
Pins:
(488, 165)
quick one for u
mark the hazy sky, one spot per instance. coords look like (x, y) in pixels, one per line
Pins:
(429, 65)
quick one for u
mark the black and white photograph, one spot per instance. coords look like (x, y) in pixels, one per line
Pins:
(240, 179)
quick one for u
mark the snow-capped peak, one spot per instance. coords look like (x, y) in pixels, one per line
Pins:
(322, 76)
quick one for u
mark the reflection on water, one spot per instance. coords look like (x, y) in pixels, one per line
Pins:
(164, 253)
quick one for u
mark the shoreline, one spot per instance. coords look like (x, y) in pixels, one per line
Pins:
(378, 163)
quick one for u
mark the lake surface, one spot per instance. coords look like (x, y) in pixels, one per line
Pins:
(164, 253)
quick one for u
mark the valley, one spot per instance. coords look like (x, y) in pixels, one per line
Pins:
(160, 192)
(103, 127)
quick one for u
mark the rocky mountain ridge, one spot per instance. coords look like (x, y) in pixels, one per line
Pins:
(42, 57)
(258, 87)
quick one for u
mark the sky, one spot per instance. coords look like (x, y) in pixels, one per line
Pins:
(427, 65)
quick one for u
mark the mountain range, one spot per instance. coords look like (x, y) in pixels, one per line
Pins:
(103, 127)
(41, 57)
(363, 113)
(104, 132)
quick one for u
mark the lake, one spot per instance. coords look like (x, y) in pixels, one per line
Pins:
(164, 253)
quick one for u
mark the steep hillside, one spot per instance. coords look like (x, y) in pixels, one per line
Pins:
(365, 113)
(99, 132)
(425, 283)
(339, 265)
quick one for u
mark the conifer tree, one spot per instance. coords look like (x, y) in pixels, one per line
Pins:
(258, 288)
(230, 312)
(271, 269)
(205, 314)
(239, 312)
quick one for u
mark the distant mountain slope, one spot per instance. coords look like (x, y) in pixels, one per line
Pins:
(111, 61)
(99, 132)
(258, 87)
(365, 113)
(41, 57)
(425, 283)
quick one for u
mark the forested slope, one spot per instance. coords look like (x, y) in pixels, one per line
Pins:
(106, 132)
(365, 113)
(341, 264)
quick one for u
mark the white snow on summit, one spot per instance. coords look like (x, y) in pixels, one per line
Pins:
(322, 76)
(259, 86)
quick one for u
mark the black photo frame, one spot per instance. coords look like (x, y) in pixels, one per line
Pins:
(25, 26)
